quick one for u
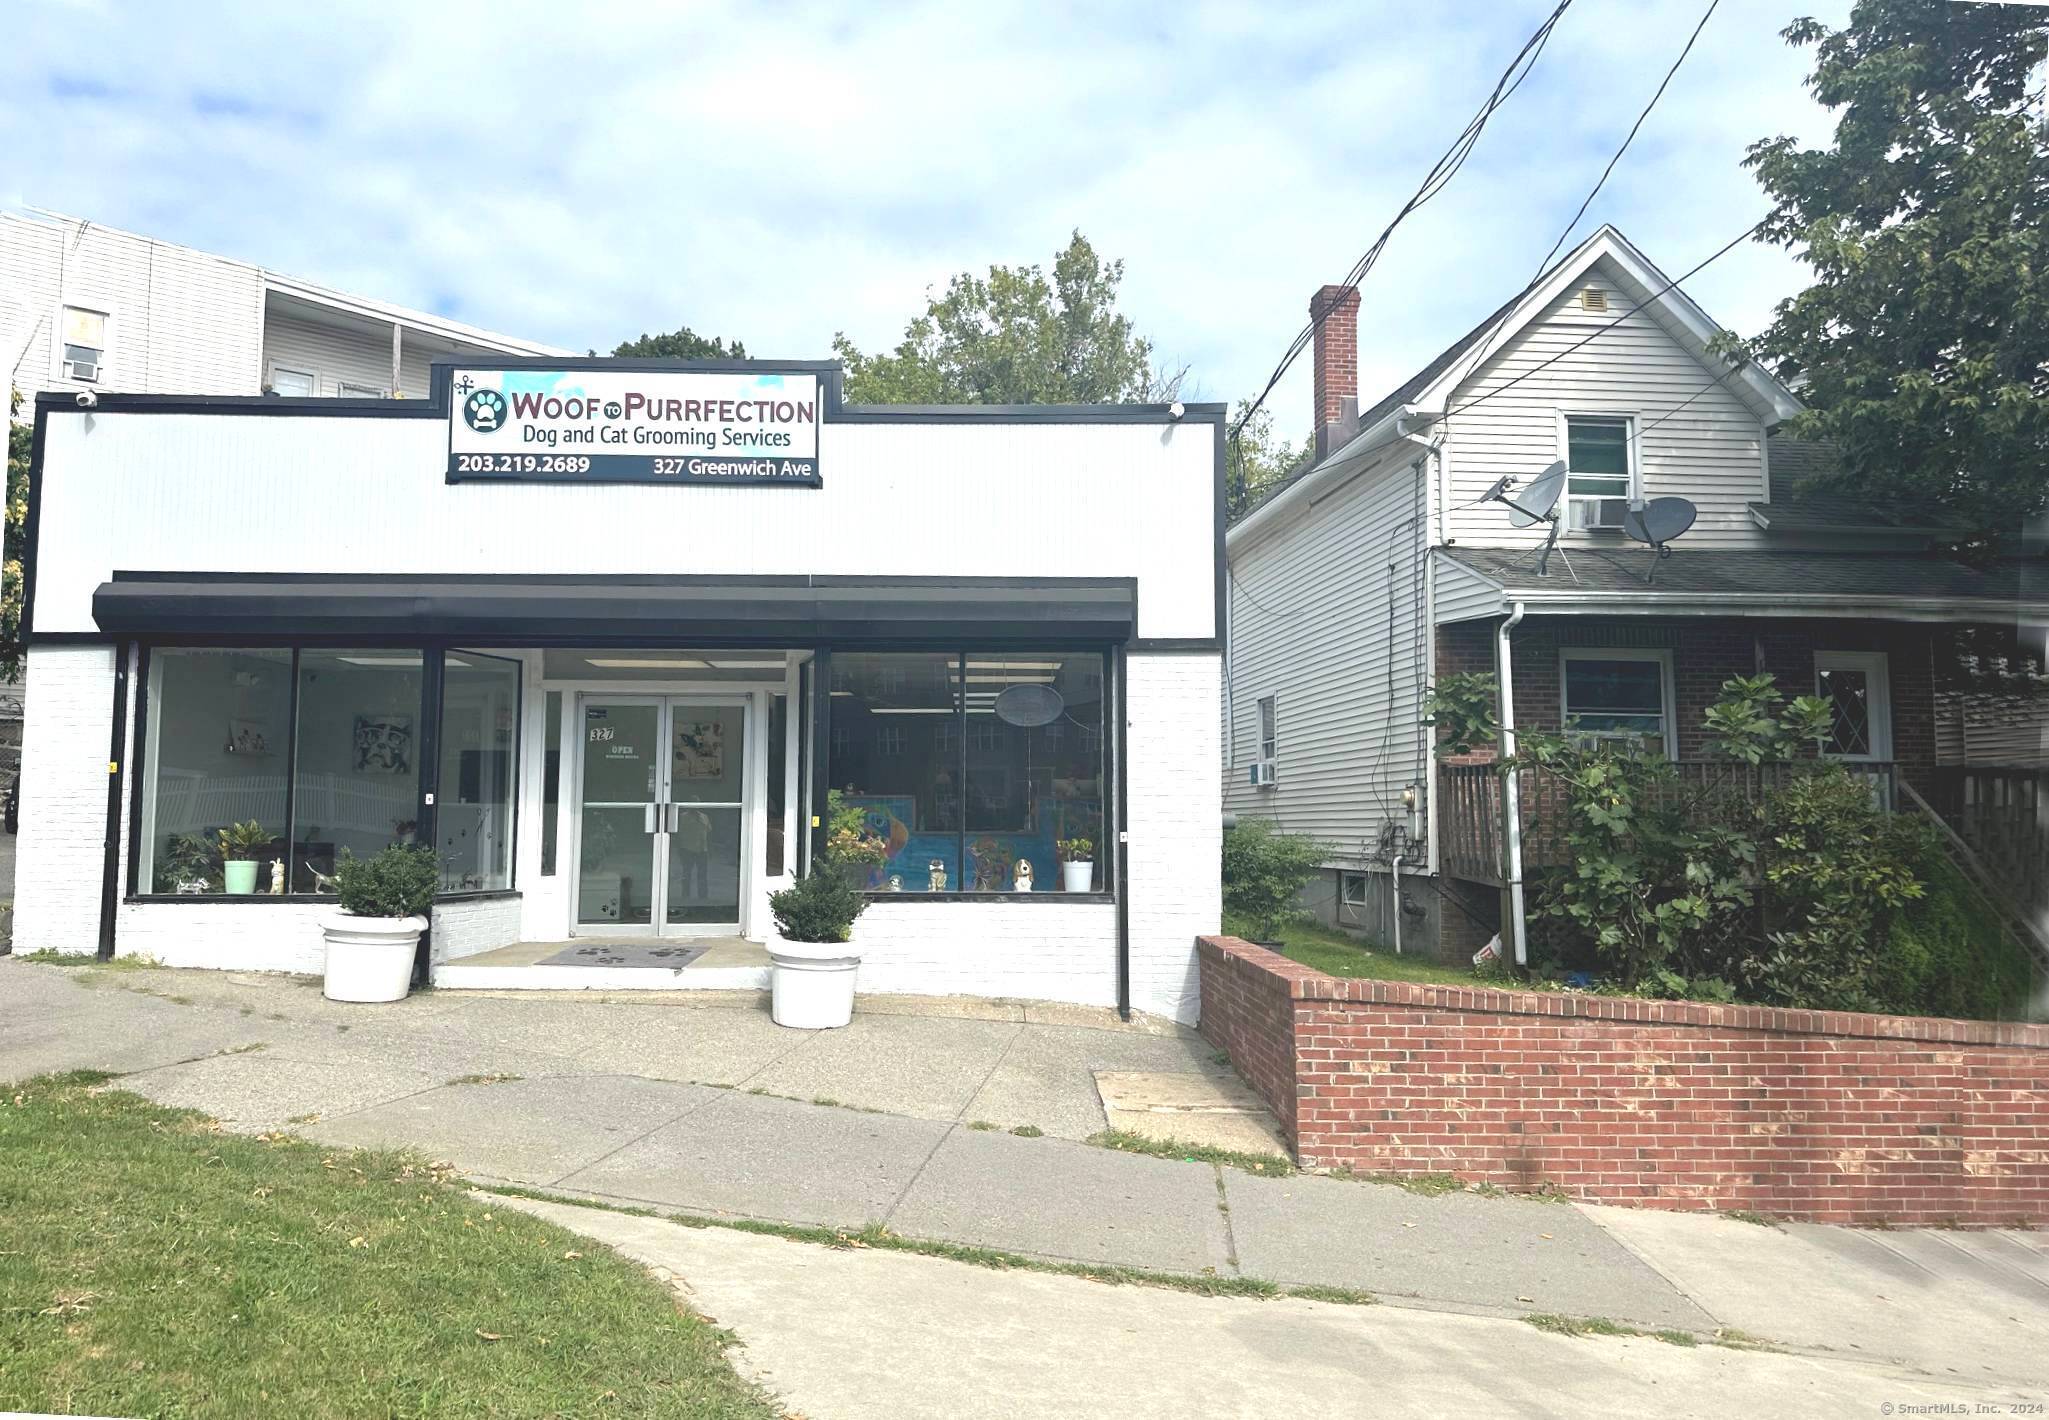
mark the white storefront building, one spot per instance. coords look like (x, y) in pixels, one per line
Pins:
(607, 634)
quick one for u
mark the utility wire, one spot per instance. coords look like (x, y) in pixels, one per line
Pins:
(1487, 344)
(1440, 174)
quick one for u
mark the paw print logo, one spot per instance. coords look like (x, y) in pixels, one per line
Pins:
(484, 411)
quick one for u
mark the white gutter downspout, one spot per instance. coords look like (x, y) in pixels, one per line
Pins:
(1428, 632)
(1513, 926)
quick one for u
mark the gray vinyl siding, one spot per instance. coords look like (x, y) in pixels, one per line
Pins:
(178, 319)
(1326, 616)
(1461, 593)
(333, 356)
(1709, 451)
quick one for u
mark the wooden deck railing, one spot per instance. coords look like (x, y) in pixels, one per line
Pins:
(1469, 812)
(2003, 815)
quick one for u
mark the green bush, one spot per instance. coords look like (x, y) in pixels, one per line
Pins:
(820, 908)
(1838, 870)
(396, 881)
(1949, 955)
(1265, 871)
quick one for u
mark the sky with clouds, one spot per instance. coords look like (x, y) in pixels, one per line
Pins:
(581, 173)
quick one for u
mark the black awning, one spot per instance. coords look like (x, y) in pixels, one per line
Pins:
(626, 610)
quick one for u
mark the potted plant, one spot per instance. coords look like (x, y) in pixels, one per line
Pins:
(812, 984)
(384, 904)
(242, 844)
(854, 848)
(189, 865)
(1077, 864)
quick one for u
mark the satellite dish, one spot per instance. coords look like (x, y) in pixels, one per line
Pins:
(1660, 520)
(1537, 501)
(1029, 706)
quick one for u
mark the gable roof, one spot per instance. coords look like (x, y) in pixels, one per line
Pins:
(1429, 390)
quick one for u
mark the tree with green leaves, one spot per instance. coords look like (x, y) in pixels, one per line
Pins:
(1256, 461)
(1924, 340)
(682, 343)
(15, 571)
(1016, 336)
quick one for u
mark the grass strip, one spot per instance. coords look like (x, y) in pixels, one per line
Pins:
(154, 1264)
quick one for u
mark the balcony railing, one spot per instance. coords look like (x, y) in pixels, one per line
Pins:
(1469, 806)
(2002, 815)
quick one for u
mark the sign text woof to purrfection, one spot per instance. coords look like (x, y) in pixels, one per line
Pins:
(633, 426)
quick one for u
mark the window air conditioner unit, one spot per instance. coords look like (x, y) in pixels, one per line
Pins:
(1598, 514)
(83, 367)
(1262, 774)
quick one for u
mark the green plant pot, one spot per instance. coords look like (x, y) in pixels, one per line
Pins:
(240, 876)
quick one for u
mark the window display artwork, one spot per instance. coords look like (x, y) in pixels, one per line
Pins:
(247, 737)
(384, 744)
(700, 749)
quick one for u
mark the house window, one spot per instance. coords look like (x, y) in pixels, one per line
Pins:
(1619, 696)
(1352, 889)
(891, 739)
(293, 383)
(1598, 463)
(1269, 731)
(349, 391)
(85, 344)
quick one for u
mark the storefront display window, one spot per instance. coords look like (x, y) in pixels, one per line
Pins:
(216, 756)
(474, 820)
(1014, 738)
(887, 712)
(356, 767)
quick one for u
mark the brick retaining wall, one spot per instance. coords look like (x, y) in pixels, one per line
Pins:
(1828, 1116)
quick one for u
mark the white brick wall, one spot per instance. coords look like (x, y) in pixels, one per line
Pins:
(1176, 817)
(62, 845)
(1041, 951)
(462, 929)
(226, 935)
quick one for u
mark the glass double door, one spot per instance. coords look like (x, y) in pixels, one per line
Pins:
(662, 816)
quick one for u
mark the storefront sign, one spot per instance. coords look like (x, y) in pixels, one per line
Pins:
(633, 426)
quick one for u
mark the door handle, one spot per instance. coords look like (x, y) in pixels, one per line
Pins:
(675, 818)
(648, 819)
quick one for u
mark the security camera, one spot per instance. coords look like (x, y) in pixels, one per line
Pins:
(86, 399)
(1176, 409)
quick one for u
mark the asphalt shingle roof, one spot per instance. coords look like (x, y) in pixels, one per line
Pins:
(1711, 571)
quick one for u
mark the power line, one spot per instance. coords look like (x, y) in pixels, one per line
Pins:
(1487, 343)
(1434, 182)
(1581, 344)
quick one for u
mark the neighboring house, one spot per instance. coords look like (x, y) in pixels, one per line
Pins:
(85, 307)
(88, 307)
(1382, 566)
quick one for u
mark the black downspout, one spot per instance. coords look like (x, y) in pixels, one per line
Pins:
(1123, 842)
(117, 741)
(821, 746)
(433, 660)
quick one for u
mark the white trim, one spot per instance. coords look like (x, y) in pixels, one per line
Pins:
(1667, 688)
(1878, 676)
(271, 370)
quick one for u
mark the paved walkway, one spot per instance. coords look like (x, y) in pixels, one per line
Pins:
(703, 1105)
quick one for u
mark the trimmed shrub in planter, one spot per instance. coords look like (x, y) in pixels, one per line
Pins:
(384, 904)
(813, 967)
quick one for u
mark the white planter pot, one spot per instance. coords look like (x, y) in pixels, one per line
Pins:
(1077, 877)
(812, 986)
(239, 875)
(370, 958)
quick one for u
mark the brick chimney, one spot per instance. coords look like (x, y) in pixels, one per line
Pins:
(1335, 309)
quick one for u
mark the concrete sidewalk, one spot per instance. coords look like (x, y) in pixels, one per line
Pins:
(708, 1108)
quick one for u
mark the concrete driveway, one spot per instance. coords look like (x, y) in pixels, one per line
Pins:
(701, 1105)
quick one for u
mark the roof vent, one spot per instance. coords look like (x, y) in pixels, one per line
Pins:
(1593, 298)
